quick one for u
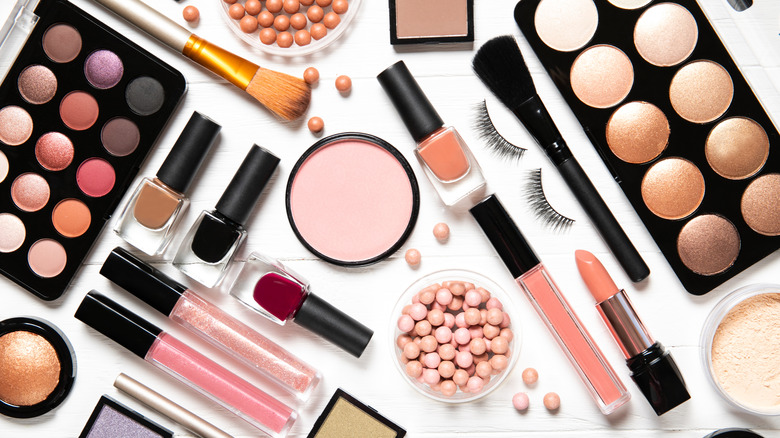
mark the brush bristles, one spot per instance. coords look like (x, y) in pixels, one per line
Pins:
(286, 96)
(501, 67)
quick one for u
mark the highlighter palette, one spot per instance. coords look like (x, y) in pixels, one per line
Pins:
(80, 108)
(674, 120)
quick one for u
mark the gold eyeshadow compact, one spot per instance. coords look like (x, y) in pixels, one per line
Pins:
(674, 120)
(80, 108)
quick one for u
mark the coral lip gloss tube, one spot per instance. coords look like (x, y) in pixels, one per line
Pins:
(185, 364)
(206, 320)
(600, 379)
(652, 367)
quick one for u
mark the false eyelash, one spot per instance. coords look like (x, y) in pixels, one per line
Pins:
(492, 138)
(534, 194)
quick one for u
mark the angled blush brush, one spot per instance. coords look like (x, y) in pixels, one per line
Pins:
(501, 67)
(286, 96)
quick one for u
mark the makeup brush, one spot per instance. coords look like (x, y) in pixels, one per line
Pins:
(500, 66)
(286, 96)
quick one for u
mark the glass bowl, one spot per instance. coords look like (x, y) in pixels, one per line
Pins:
(479, 281)
(253, 38)
(711, 325)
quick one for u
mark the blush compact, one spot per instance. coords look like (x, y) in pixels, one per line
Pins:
(674, 120)
(80, 108)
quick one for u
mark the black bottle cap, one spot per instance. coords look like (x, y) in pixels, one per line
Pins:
(419, 116)
(179, 168)
(657, 376)
(342, 330)
(119, 324)
(247, 184)
(151, 285)
(506, 238)
(733, 433)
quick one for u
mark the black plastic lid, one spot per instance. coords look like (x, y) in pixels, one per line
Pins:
(417, 112)
(188, 153)
(121, 325)
(151, 285)
(733, 433)
(506, 238)
(247, 184)
(656, 374)
(342, 330)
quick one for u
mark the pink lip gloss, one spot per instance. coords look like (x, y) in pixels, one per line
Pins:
(185, 364)
(600, 379)
(203, 318)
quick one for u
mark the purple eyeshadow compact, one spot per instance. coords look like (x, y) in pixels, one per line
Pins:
(112, 419)
(80, 108)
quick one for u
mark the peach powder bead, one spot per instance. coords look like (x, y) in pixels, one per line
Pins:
(520, 401)
(455, 304)
(428, 344)
(298, 21)
(253, 7)
(436, 317)
(484, 295)
(318, 31)
(473, 298)
(490, 331)
(284, 39)
(427, 296)
(411, 350)
(443, 335)
(248, 24)
(494, 303)
(443, 296)
(499, 345)
(446, 369)
(431, 377)
(414, 369)
(506, 322)
(281, 22)
(403, 340)
(478, 346)
(268, 36)
(230, 2)
(499, 362)
(495, 316)
(464, 359)
(307, 2)
(460, 320)
(316, 124)
(423, 328)
(441, 231)
(458, 289)
(448, 388)
(266, 19)
(507, 334)
(484, 369)
(460, 377)
(274, 6)
(412, 257)
(340, 6)
(311, 75)
(191, 14)
(432, 360)
(530, 376)
(236, 11)
(291, 6)
(462, 336)
(551, 401)
(418, 311)
(475, 331)
(302, 38)
(446, 351)
(449, 320)
(343, 83)
(331, 20)
(475, 384)
(405, 323)
(472, 316)
(315, 13)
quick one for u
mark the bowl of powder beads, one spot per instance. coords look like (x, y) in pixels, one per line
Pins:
(289, 27)
(454, 339)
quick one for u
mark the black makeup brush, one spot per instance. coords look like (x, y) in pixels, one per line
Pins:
(500, 66)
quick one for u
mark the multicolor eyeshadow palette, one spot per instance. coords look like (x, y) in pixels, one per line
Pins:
(674, 120)
(80, 108)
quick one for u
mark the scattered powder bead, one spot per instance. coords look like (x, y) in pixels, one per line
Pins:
(520, 401)
(441, 231)
(311, 75)
(552, 401)
(315, 124)
(412, 257)
(190, 14)
(530, 376)
(343, 82)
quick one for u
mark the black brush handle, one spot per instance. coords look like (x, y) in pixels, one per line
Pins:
(606, 224)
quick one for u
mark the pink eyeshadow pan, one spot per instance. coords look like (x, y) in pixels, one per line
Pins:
(95, 177)
(352, 199)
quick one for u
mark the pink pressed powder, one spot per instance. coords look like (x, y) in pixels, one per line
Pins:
(352, 199)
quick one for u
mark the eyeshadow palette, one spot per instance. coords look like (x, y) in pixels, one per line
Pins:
(112, 419)
(80, 108)
(674, 120)
(347, 417)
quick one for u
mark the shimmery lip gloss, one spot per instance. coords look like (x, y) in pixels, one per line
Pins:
(185, 364)
(203, 318)
(600, 379)
(652, 367)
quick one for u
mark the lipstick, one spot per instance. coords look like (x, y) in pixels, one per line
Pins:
(652, 367)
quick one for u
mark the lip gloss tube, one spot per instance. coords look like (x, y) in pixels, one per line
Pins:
(600, 379)
(652, 367)
(206, 320)
(173, 356)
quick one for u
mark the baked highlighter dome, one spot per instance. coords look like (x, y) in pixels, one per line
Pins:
(352, 199)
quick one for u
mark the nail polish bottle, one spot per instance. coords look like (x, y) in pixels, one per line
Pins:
(209, 247)
(446, 159)
(151, 215)
(268, 287)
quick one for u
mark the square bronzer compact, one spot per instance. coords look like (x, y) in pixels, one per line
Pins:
(80, 108)
(675, 122)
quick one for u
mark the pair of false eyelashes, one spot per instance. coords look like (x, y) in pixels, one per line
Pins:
(533, 190)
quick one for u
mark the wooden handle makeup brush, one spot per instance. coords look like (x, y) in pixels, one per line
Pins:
(284, 95)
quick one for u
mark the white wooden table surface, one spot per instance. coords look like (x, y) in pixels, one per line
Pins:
(672, 315)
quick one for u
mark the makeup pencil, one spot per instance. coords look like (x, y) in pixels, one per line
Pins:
(286, 96)
(500, 65)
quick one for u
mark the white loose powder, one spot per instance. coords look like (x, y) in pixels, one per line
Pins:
(746, 352)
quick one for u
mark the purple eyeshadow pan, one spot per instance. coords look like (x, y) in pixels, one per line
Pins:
(103, 69)
(111, 419)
